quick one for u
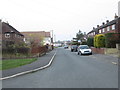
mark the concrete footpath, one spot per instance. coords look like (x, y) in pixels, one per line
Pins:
(41, 63)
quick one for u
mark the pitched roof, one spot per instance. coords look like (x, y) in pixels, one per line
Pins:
(37, 33)
(8, 28)
(105, 25)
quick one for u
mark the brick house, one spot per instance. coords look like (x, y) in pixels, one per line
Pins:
(110, 27)
(10, 35)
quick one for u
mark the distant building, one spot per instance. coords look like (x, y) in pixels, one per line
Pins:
(37, 34)
(108, 27)
(10, 35)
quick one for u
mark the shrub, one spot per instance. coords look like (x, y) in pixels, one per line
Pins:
(99, 41)
(90, 41)
(95, 38)
(16, 48)
(111, 39)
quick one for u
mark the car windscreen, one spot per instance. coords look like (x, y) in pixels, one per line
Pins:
(74, 46)
(84, 47)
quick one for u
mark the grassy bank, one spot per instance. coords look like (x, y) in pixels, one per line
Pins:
(8, 64)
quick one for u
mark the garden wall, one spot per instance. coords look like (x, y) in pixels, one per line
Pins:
(98, 50)
(107, 51)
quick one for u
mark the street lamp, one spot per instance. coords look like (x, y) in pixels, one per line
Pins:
(51, 36)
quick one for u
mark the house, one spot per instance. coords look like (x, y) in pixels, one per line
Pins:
(38, 35)
(108, 27)
(10, 35)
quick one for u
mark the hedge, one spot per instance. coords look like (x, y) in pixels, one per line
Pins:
(111, 39)
(22, 50)
(90, 41)
(99, 41)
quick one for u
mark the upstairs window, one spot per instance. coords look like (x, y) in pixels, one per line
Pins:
(113, 27)
(103, 30)
(100, 31)
(108, 28)
(7, 35)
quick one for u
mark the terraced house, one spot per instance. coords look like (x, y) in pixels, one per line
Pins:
(108, 27)
(10, 35)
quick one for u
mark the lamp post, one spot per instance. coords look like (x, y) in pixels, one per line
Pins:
(51, 36)
(52, 39)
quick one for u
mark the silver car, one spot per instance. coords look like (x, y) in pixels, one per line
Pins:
(84, 49)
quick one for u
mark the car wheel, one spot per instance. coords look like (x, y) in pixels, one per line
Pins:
(80, 53)
(90, 53)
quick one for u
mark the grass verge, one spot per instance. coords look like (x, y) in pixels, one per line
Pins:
(8, 64)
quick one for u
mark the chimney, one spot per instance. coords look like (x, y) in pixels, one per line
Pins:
(103, 23)
(7, 22)
(115, 16)
(107, 21)
(93, 28)
(98, 26)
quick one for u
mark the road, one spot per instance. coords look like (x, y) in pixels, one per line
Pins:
(70, 70)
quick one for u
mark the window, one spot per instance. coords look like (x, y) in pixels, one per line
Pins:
(113, 27)
(108, 28)
(7, 35)
(18, 36)
(103, 30)
(100, 31)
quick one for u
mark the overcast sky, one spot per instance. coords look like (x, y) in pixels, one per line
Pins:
(65, 17)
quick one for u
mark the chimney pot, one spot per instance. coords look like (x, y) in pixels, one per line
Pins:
(107, 21)
(103, 23)
(97, 26)
(116, 16)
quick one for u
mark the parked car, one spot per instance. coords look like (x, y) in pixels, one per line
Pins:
(84, 49)
(66, 46)
(74, 48)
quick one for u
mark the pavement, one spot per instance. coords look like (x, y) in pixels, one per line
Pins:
(41, 63)
(70, 70)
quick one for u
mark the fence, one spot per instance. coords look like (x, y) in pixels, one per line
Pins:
(39, 50)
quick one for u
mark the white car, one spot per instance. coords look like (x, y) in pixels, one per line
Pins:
(84, 49)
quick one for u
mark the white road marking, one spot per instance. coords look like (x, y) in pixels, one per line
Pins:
(26, 72)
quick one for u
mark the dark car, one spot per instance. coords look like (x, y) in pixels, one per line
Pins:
(66, 46)
(74, 48)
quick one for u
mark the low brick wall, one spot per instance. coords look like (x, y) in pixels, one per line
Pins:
(107, 51)
(98, 50)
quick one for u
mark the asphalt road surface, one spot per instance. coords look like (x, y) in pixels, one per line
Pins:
(70, 70)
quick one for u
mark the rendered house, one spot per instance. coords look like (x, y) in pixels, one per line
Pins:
(37, 35)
